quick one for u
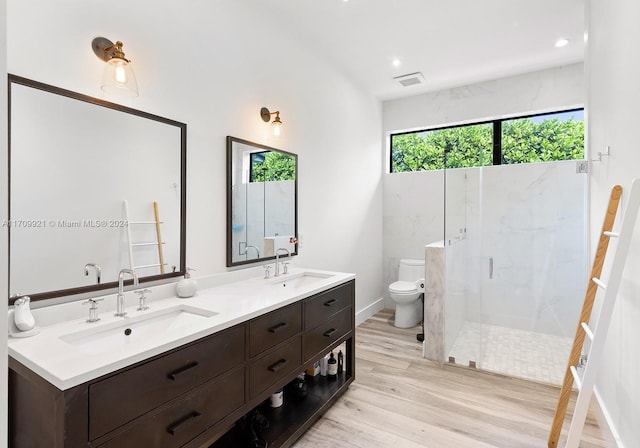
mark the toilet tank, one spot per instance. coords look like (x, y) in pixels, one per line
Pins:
(410, 270)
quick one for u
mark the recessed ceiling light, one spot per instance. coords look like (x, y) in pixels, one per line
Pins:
(562, 42)
(396, 62)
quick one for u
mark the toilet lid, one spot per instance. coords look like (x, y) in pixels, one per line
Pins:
(403, 287)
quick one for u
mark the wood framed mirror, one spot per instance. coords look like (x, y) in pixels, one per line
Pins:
(84, 175)
(262, 201)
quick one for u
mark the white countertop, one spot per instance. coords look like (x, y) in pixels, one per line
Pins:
(65, 365)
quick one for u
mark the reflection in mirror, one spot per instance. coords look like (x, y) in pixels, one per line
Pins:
(89, 180)
(261, 201)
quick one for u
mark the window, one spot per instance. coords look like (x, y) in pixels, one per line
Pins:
(267, 166)
(543, 138)
(536, 138)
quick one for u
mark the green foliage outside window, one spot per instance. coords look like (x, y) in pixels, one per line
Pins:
(272, 166)
(523, 141)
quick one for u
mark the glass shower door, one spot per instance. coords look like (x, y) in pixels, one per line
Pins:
(532, 267)
(463, 310)
(515, 255)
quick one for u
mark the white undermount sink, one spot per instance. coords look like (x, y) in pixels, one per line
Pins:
(140, 329)
(300, 279)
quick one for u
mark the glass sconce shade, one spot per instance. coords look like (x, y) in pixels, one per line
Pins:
(276, 128)
(266, 117)
(118, 78)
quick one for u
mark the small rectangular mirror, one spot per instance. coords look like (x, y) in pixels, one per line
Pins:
(262, 206)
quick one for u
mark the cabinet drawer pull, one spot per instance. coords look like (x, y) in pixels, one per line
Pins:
(176, 373)
(328, 333)
(277, 366)
(183, 422)
(330, 302)
(278, 327)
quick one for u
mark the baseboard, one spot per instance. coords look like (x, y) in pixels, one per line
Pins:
(606, 423)
(369, 311)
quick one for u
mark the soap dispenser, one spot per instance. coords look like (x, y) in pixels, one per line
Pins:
(22, 314)
(186, 287)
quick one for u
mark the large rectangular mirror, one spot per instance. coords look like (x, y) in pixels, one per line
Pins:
(262, 207)
(90, 183)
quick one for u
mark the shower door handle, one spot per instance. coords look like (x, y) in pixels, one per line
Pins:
(490, 268)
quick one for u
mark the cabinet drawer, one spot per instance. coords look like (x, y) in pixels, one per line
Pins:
(271, 329)
(316, 340)
(129, 394)
(321, 307)
(181, 422)
(268, 369)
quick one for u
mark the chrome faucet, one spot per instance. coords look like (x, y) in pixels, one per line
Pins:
(277, 273)
(120, 312)
(94, 266)
(251, 247)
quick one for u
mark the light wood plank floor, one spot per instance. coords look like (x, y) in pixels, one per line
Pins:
(400, 399)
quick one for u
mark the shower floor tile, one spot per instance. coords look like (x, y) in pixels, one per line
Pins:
(519, 353)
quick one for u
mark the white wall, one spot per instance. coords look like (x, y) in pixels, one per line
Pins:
(230, 60)
(413, 202)
(613, 69)
(4, 256)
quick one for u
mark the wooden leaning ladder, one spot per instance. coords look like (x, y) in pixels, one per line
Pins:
(598, 335)
(158, 242)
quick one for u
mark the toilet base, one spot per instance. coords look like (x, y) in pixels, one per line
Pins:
(408, 314)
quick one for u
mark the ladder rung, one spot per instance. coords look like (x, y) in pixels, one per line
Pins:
(157, 265)
(145, 222)
(587, 330)
(146, 244)
(599, 282)
(576, 377)
(612, 234)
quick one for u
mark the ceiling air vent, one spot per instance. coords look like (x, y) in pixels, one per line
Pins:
(411, 79)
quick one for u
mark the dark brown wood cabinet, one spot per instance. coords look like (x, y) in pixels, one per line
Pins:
(193, 395)
(134, 391)
(275, 327)
(326, 333)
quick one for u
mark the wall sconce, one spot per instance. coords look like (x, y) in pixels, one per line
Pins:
(266, 117)
(118, 76)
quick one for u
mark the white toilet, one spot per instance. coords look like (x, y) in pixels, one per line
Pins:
(406, 292)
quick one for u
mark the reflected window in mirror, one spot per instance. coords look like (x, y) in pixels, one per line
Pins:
(261, 201)
(271, 166)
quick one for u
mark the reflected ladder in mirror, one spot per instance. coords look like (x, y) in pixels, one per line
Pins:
(158, 239)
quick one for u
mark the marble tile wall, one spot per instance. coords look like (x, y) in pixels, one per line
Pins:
(434, 302)
(414, 202)
(413, 217)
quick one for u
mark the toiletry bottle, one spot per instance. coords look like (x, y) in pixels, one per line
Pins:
(332, 368)
(186, 287)
(340, 362)
(324, 366)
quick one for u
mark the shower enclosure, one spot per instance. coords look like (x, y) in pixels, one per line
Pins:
(515, 267)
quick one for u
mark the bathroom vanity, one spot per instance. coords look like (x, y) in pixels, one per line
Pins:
(186, 385)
